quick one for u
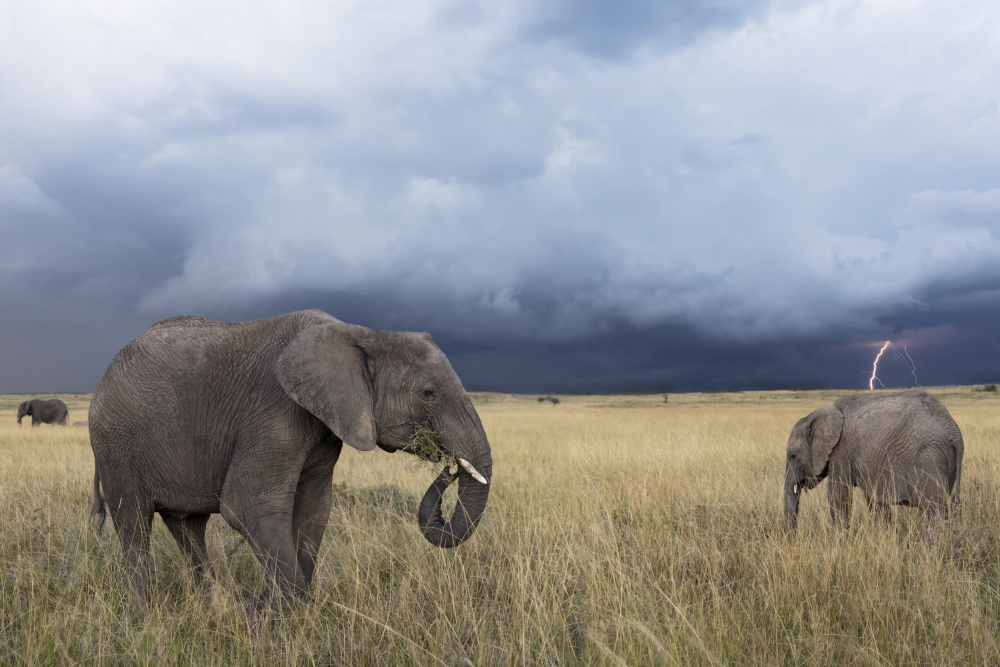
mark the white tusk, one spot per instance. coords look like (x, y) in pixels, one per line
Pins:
(472, 471)
(795, 489)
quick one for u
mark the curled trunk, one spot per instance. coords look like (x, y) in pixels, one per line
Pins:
(472, 497)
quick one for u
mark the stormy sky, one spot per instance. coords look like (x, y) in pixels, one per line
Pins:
(571, 196)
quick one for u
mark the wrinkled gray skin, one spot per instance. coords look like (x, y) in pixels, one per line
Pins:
(196, 417)
(52, 411)
(900, 449)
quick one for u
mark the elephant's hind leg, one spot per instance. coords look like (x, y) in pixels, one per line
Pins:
(931, 495)
(190, 535)
(133, 523)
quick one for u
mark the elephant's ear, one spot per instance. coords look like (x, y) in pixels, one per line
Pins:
(324, 370)
(824, 432)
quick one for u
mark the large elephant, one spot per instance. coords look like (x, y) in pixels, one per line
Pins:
(196, 417)
(900, 449)
(41, 411)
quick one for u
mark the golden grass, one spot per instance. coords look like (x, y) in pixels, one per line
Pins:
(620, 530)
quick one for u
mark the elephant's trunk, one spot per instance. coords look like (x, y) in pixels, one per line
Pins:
(472, 495)
(474, 475)
(793, 490)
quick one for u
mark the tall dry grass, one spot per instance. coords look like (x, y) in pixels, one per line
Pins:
(620, 530)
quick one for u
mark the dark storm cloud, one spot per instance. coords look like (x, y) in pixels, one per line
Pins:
(568, 196)
(617, 29)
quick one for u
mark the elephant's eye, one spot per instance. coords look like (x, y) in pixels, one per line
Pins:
(791, 456)
(428, 393)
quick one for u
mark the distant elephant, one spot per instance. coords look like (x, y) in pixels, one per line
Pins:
(900, 449)
(196, 417)
(80, 424)
(52, 411)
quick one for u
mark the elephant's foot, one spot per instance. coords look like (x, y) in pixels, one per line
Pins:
(956, 509)
(209, 589)
(260, 609)
(214, 595)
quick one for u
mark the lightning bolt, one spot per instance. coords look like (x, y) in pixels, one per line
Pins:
(905, 358)
(913, 366)
(874, 377)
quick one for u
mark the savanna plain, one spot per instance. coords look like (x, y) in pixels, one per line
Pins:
(620, 530)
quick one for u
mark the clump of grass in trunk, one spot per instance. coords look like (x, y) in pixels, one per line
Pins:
(426, 444)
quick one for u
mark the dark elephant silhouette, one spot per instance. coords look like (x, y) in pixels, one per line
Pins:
(41, 411)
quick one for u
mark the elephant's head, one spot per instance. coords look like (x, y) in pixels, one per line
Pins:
(378, 388)
(23, 410)
(808, 455)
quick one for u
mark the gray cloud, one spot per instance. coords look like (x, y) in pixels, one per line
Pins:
(616, 30)
(670, 196)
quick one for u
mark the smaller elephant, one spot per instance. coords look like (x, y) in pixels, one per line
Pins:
(900, 449)
(52, 411)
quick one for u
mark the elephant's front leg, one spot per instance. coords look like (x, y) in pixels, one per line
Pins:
(880, 511)
(313, 498)
(840, 493)
(261, 511)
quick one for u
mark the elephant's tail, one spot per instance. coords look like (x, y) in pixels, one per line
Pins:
(956, 499)
(97, 512)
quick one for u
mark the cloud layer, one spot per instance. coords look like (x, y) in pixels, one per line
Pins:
(692, 195)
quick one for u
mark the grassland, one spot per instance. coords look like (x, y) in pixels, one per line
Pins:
(620, 530)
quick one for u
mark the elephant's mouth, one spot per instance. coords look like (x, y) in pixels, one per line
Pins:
(418, 438)
(805, 481)
(424, 441)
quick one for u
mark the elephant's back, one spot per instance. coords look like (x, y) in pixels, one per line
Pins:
(910, 436)
(174, 402)
(184, 321)
(175, 361)
(185, 370)
(55, 405)
(889, 410)
(930, 421)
